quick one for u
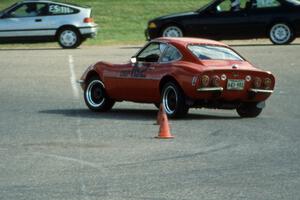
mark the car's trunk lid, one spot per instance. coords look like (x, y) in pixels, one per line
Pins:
(227, 65)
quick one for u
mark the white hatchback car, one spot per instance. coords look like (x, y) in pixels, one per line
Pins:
(46, 21)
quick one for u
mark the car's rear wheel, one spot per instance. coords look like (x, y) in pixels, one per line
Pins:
(248, 110)
(172, 31)
(281, 33)
(173, 100)
(69, 38)
(96, 97)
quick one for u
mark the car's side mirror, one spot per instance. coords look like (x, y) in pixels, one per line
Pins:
(152, 58)
(133, 60)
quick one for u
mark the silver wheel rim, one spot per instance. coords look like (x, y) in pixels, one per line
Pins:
(68, 38)
(280, 33)
(170, 99)
(172, 31)
(94, 93)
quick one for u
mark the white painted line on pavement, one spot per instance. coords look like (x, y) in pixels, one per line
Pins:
(78, 132)
(73, 77)
(64, 158)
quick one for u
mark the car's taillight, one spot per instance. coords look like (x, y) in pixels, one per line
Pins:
(216, 81)
(257, 82)
(267, 83)
(205, 81)
(88, 20)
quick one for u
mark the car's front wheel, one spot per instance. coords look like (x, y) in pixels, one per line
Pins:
(69, 38)
(248, 110)
(172, 31)
(173, 100)
(96, 97)
(281, 33)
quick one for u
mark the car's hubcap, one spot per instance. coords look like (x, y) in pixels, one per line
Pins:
(68, 38)
(172, 31)
(170, 100)
(280, 33)
(95, 93)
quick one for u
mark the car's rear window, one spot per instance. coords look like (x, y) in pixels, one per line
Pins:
(212, 52)
(55, 9)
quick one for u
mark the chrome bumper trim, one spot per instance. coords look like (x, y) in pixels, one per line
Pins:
(261, 91)
(80, 82)
(211, 89)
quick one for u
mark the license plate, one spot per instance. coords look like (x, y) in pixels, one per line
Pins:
(235, 84)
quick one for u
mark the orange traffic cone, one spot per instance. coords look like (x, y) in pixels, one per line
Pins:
(164, 129)
(159, 115)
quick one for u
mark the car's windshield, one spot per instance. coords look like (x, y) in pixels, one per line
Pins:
(6, 9)
(205, 6)
(212, 52)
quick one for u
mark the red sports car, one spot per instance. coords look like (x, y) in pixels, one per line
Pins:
(180, 73)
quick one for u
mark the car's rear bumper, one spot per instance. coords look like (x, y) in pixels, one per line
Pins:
(220, 89)
(257, 91)
(221, 93)
(211, 89)
(89, 31)
(221, 98)
(151, 34)
(81, 83)
(147, 35)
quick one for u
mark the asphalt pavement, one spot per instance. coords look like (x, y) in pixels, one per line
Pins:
(53, 147)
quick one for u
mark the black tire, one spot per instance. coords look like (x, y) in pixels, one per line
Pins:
(95, 96)
(173, 100)
(69, 38)
(248, 110)
(172, 31)
(281, 33)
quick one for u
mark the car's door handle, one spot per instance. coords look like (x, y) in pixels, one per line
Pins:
(38, 20)
(151, 68)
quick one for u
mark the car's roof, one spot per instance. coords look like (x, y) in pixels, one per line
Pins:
(56, 2)
(187, 40)
(26, 1)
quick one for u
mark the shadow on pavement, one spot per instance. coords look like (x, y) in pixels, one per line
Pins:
(31, 49)
(131, 47)
(129, 114)
(262, 45)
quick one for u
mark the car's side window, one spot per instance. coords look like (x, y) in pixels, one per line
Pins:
(28, 10)
(231, 5)
(171, 54)
(152, 52)
(266, 4)
(55, 9)
(224, 6)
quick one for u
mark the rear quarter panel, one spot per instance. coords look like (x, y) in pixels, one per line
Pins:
(185, 74)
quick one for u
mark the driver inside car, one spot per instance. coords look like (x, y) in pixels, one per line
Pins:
(235, 5)
(31, 10)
